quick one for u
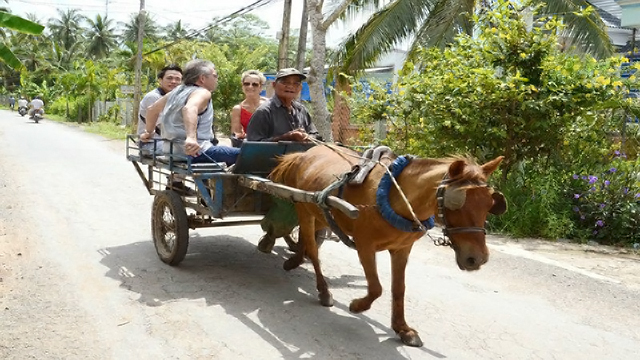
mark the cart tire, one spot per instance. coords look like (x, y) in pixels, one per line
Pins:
(169, 227)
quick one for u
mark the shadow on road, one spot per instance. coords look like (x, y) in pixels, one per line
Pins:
(229, 272)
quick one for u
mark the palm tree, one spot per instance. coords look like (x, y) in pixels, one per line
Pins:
(175, 31)
(101, 37)
(66, 31)
(436, 22)
(130, 33)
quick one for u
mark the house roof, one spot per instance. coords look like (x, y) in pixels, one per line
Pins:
(609, 10)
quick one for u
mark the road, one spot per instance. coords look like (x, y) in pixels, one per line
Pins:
(80, 280)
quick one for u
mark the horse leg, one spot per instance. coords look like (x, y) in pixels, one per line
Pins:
(374, 289)
(298, 257)
(308, 247)
(408, 335)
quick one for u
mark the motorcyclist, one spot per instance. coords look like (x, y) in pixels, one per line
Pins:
(22, 102)
(36, 105)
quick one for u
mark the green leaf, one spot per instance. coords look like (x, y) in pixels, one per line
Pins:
(19, 24)
(9, 58)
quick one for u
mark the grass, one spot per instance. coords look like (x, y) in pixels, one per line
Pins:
(104, 128)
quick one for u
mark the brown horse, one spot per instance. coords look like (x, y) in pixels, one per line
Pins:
(465, 201)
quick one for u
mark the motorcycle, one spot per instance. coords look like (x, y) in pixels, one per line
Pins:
(22, 110)
(37, 115)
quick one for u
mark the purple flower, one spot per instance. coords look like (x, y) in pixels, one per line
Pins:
(607, 182)
(613, 170)
(617, 152)
(595, 232)
(625, 190)
(584, 177)
(576, 196)
(576, 177)
(592, 179)
(576, 209)
(592, 189)
(602, 206)
(637, 195)
(600, 223)
(582, 217)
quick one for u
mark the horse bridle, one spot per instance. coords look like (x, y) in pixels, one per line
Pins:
(446, 230)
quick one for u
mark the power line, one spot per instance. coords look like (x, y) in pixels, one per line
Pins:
(225, 19)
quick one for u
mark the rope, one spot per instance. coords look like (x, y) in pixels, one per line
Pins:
(393, 179)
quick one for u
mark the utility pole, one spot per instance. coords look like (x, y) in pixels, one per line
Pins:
(284, 36)
(106, 8)
(302, 40)
(136, 92)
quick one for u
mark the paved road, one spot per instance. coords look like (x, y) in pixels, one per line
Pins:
(80, 280)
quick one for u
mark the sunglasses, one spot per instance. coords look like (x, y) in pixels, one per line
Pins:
(250, 84)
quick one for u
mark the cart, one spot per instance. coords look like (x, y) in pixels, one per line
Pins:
(214, 195)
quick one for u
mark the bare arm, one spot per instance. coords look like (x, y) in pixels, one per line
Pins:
(236, 126)
(153, 112)
(197, 103)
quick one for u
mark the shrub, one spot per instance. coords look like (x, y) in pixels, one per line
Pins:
(606, 202)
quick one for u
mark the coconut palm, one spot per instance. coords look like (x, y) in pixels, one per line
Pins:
(175, 31)
(101, 37)
(437, 22)
(130, 33)
(66, 32)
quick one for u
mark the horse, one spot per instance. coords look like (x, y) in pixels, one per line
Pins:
(464, 200)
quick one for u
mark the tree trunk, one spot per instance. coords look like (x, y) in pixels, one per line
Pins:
(302, 39)
(283, 60)
(317, 75)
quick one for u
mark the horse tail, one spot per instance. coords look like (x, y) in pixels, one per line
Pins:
(280, 172)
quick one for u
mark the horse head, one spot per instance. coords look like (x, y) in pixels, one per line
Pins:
(464, 201)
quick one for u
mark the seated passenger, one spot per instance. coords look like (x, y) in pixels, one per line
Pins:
(252, 82)
(187, 117)
(282, 118)
(168, 78)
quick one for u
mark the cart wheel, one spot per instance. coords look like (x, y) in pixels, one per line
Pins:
(169, 227)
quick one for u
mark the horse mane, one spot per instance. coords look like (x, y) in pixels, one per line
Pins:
(471, 175)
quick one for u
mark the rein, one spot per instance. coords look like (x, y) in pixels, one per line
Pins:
(382, 201)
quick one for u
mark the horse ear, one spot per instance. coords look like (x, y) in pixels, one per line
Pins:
(491, 166)
(456, 169)
(499, 203)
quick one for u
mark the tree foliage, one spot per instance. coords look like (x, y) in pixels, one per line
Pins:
(510, 91)
(427, 23)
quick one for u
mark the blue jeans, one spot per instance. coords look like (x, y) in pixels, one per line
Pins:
(223, 154)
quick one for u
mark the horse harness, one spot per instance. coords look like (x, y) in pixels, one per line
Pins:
(359, 173)
(446, 229)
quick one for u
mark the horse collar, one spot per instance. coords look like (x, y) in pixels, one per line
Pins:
(382, 200)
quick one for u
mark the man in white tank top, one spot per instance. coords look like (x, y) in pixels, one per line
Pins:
(187, 116)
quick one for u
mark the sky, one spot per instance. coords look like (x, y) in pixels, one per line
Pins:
(195, 14)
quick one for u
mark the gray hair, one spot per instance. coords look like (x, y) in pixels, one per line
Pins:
(194, 69)
(255, 73)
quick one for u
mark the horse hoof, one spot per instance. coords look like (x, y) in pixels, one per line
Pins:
(293, 262)
(326, 299)
(411, 338)
(266, 244)
(357, 306)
